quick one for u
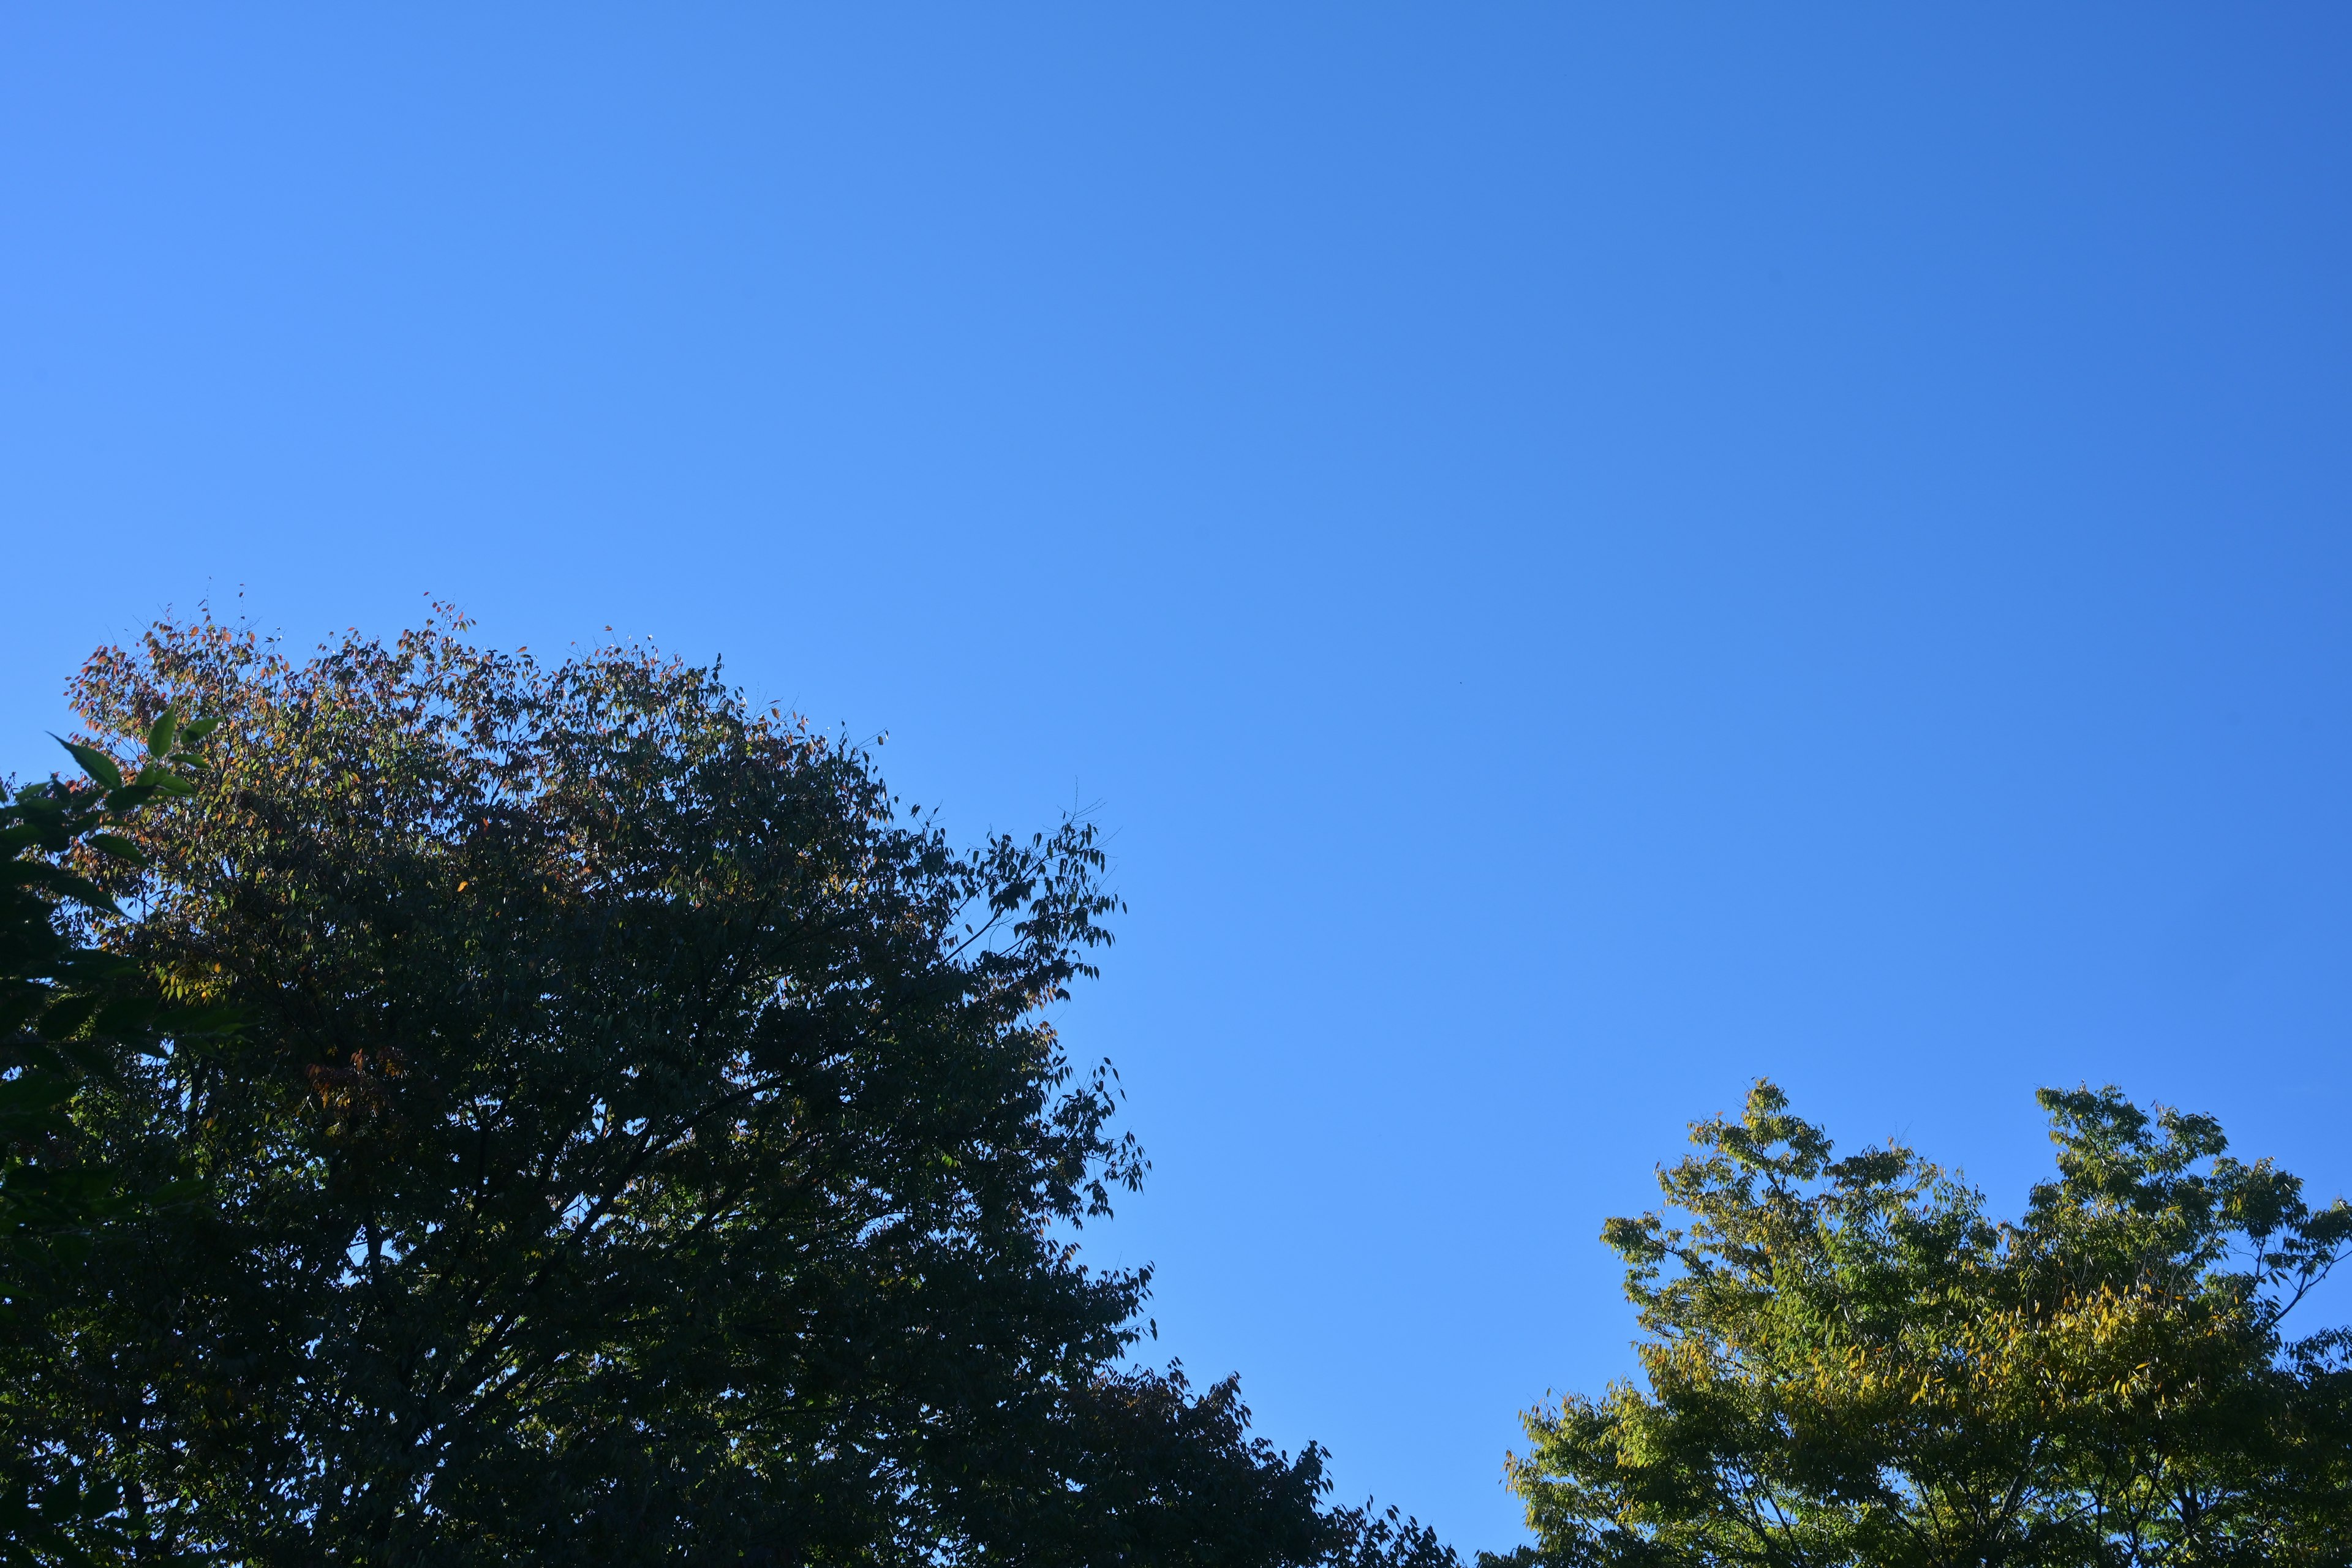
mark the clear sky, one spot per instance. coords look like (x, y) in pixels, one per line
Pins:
(1582, 553)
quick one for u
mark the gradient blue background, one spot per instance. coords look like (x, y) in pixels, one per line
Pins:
(1583, 554)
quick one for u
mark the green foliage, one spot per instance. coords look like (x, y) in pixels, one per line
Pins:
(1172, 1481)
(1849, 1363)
(643, 1143)
(69, 1013)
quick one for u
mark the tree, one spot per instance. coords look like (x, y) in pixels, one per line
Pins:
(643, 1143)
(69, 1012)
(1849, 1363)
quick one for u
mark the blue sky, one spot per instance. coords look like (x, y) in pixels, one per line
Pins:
(1582, 554)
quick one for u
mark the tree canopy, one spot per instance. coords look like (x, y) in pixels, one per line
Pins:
(1849, 1363)
(641, 1142)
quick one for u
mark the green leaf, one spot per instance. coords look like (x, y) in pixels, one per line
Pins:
(83, 1056)
(219, 1018)
(120, 847)
(66, 1016)
(82, 891)
(196, 731)
(41, 1056)
(161, 734)
(34, 1092)
(94, 763)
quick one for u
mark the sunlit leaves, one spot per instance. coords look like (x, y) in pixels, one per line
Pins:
(1847, 1363)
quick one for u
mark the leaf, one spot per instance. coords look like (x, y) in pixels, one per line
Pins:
(81, 1056)
(160, 734)
(33, 1093)
(120, 847)
(94, 763)
(219, 1018)
(64, 883)
(67, 1016)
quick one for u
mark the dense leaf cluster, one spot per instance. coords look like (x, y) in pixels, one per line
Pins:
(70, 1014)
(643, 1143)
(1849, 1366)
